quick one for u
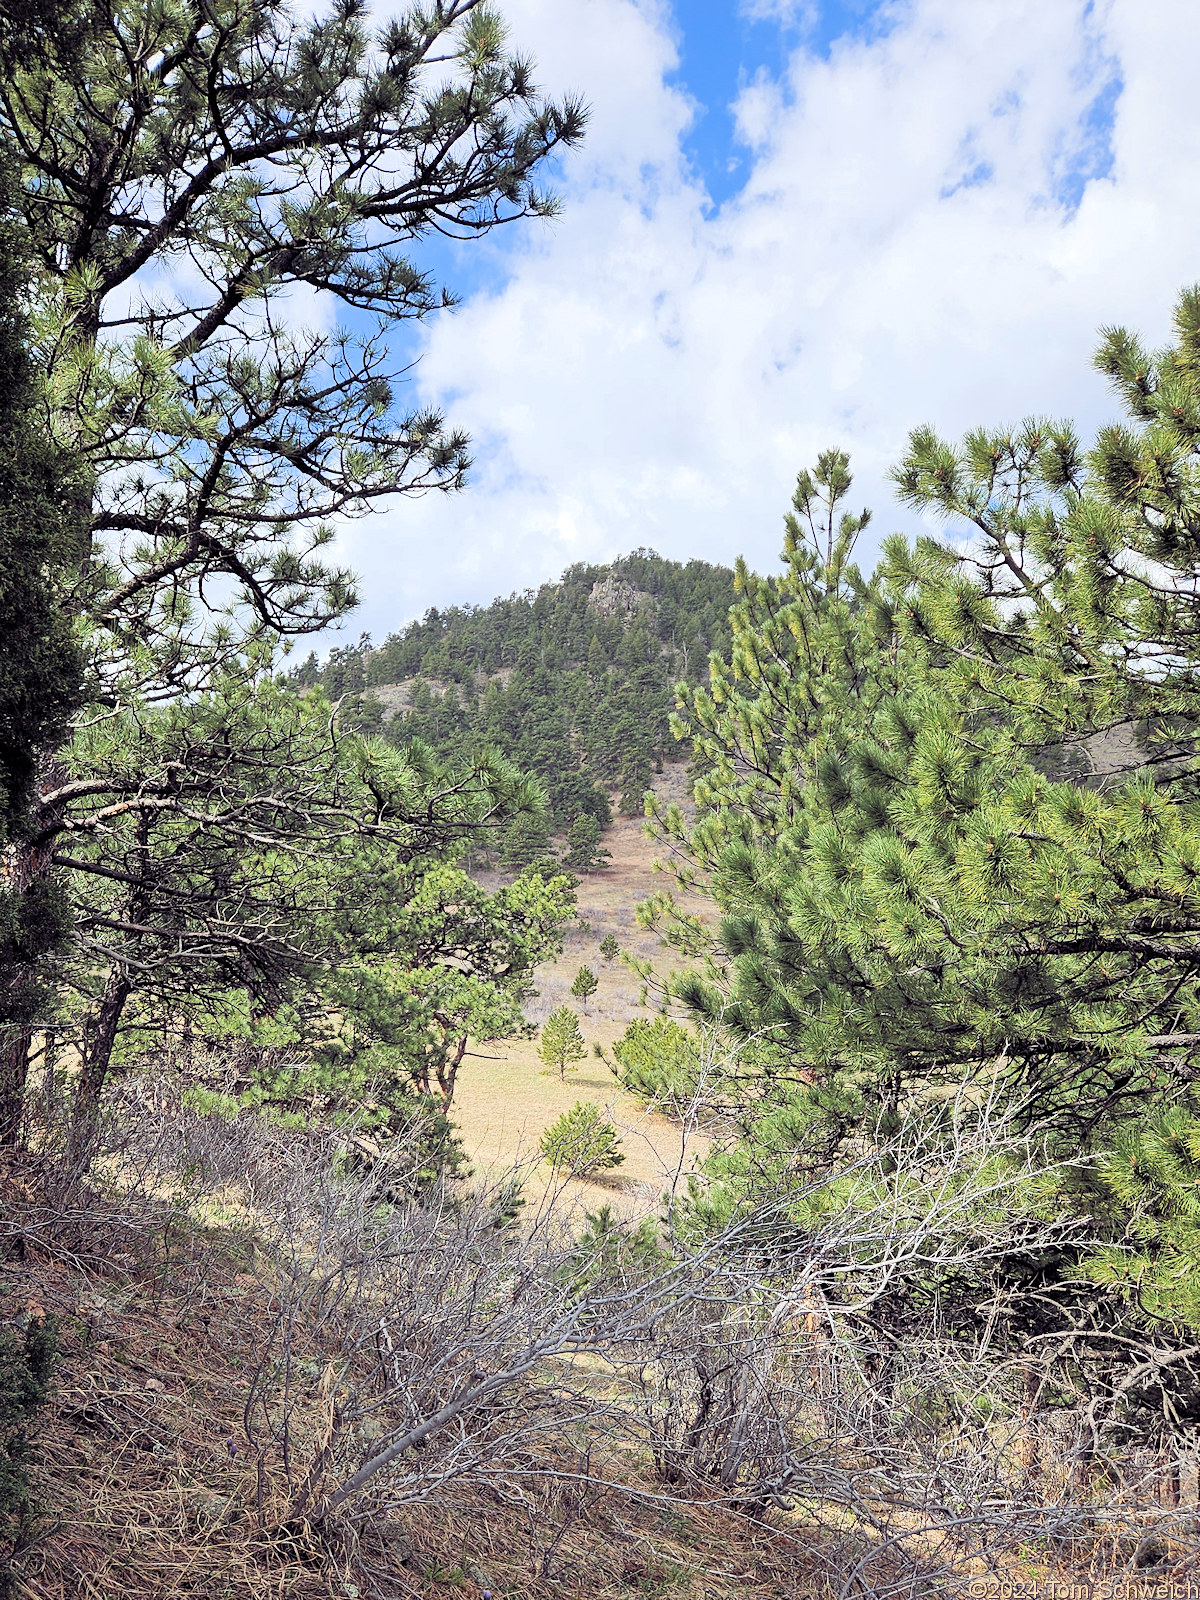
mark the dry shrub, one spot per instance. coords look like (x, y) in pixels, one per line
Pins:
(281, 1377)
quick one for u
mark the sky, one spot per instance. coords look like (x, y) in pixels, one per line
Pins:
(793, 224)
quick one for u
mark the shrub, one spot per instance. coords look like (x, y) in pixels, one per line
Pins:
(581, 1142)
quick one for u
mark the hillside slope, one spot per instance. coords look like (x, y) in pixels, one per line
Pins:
(574, 682)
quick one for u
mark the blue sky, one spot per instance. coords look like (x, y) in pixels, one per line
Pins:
(791, 225)
(724, 46)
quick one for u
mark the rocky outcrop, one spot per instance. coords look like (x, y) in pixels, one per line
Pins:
(614, 597)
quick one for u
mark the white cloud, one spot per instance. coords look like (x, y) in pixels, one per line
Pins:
(653, 372)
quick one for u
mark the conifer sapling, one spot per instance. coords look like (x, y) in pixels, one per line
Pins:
(561, 1043)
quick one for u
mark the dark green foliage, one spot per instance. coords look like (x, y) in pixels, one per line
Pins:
(575, 683)
(39, 540)
(636, 774)
(524, 842)
(40, 663)
(26, 1371)
(609, 948)
(581, 1141)
(584, 850)
(949, 814)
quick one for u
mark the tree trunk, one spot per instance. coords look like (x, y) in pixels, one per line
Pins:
(447, 1071)
(100, 1036)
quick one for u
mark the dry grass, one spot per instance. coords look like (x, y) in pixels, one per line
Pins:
(149, 1488)
(505, 1100)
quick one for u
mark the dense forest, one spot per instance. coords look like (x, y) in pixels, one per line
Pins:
(916, 1307)
(574, 682)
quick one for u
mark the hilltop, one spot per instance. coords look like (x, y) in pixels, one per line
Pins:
(573, 681)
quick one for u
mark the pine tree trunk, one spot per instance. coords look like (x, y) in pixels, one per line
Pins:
(99, 1039)
(447, 1072)
(28, 869)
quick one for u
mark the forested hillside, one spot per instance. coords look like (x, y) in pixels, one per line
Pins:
(573, 682)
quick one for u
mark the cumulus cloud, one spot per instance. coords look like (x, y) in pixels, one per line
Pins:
(936, 221)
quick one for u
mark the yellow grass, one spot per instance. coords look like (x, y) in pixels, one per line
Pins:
(505, 1100)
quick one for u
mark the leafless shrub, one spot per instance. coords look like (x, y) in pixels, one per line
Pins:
(799, 1360)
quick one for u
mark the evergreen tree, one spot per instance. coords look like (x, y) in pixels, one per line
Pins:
(905, 893)
(587, 691)
(609, 948)
(40, 667)
(525, 841)
(1150, 1177)
(294, 867)
(657, 1059)
(26, 1375)
(222, 444)
(585, 853)
(561, 1042)
(581, 1142)
(584, 985)
(949, 814)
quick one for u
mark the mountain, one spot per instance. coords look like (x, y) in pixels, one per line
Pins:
(574, 681)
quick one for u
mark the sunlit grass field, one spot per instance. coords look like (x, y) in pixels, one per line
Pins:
(506, 1099)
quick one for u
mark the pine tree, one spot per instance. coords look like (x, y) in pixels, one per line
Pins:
(918, 886)
(581, 1142)
(1150, 1177)
(609, 948)
(525, 841)
(40, 668)
(584, 985)
(26, 1376)
(202, 536)
(658, 1059)
(584, 850)
(561, 1042)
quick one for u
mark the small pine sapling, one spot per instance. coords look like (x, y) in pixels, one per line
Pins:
(581, 1142)
(561, 1043)
(585, 985)
(609, 948)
